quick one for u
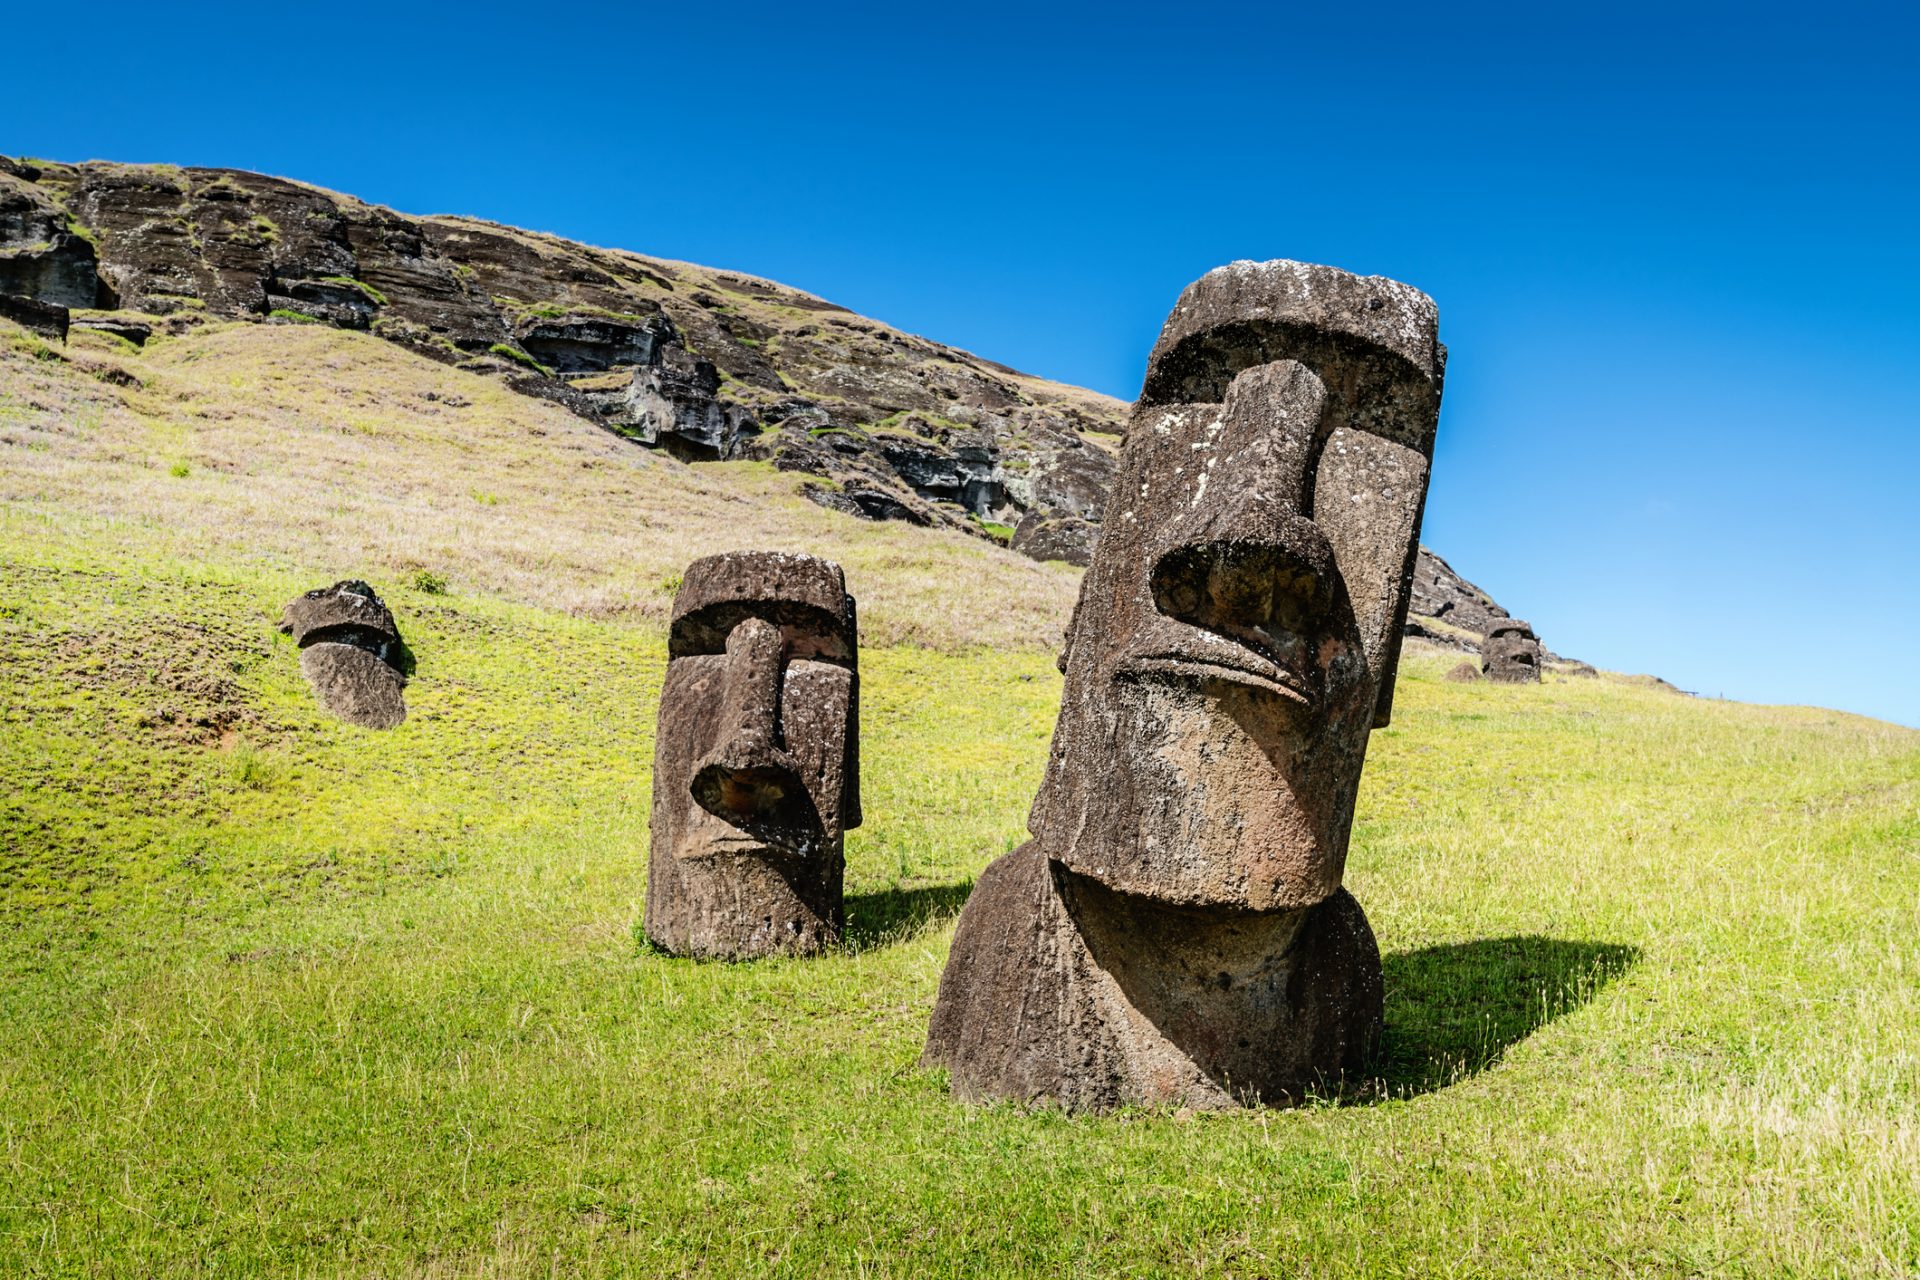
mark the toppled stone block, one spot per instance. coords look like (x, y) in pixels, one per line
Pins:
(1039, 536)
(44, 318)
(135, 331)
(1176, 932)
(1465, 673)
(592, 343)
(351, 653)
(1511, 653)
(675, 403)
(756, 775)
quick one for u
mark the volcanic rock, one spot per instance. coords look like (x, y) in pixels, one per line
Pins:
(756, 774)
(1176, 931)
(946, 437)
(351, 653)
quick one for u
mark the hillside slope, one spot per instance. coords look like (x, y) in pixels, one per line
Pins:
(351, 457)
(702, 363)
(285, 997)
(709, 364)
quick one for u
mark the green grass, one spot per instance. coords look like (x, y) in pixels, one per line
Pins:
(518, 356)
(297, 317)
(373, 295)
(280, 996)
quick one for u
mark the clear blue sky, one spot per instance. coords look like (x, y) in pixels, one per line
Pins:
(1676, 249)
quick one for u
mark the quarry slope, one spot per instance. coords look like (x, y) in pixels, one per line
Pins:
(701, 363)
(284, 996)
(287, 997)
(706, 363)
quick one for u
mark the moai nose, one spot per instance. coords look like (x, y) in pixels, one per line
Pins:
(1243, 558)
(748, 776)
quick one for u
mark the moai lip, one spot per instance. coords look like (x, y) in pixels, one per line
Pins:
(1511, 653)
(1176, 930)
(756, 775)
(350, 652)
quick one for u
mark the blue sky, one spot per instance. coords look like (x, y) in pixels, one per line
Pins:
(1676, 248)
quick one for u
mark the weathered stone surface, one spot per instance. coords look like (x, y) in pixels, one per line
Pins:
(756, 774)
(349, 612)
(1176, 931)
(1463, 611)
(351, 652)
(675, 402)
(583, 343)
(1464, 673)
(355, 685)
(135, 331)
(44, 318)
(1067, 538)
(1511, 653)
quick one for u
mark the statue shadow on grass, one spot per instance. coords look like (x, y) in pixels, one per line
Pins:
(1454, 1010)
(874, 919)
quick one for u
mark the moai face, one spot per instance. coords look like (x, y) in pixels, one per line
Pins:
(1511, 653)
(1238, 629)
(756, 767)
(351, 653)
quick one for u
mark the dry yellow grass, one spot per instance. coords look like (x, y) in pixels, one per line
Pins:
(346, 455)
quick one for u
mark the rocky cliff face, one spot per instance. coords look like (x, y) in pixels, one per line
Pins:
(707, 364)
(704, 363)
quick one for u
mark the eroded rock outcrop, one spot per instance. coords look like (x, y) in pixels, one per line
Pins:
(756, 775)
(700, 362)
(351, 653)
(1176, 931)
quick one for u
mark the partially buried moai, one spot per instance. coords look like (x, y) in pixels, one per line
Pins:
(1175, 931)
(1511, 653)
(756, 767)
(351, 653)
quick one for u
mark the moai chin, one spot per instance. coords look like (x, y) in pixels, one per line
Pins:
(756, 768)
(1175, 931)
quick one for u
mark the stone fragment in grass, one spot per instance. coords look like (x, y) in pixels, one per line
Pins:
(1465, 673)
(351, 652)
(1175, 933)
(756, 775)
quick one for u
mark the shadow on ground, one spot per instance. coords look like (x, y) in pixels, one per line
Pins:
(892, 914)
(1453, 1010)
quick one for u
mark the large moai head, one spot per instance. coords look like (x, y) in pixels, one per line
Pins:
(756, 773)
(1238, 629)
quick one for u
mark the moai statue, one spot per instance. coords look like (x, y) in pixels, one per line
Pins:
(350, 652)
(1175, 932)
(756, 766)
(1511, 653)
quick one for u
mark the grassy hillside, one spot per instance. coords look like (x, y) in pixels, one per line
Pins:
(281, 996)
(336, 452)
